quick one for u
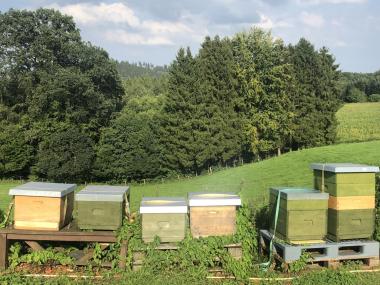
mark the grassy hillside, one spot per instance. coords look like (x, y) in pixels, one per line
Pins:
(359, 122)
(253, 180)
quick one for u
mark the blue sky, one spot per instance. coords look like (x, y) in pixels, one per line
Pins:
(153, 30)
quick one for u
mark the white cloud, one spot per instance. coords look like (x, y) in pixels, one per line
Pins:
(268, 23)
(312, 20)
(317, 2)
(127, 38)
(86, 13)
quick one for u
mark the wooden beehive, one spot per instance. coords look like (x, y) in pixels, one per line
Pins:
(302, 214)
(164, 217)
(213, 214)
(352, 198)
(43, 206)
(101, 207)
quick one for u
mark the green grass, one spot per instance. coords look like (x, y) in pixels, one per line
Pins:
(359, 122)
(253, 180)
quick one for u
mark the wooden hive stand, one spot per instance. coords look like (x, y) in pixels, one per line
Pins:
(33, 238)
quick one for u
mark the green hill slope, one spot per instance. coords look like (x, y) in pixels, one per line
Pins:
(253, 180)
(358, 122)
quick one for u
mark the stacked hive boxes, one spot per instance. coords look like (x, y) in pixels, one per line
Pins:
(43, 206)
(351, 213)
(302, 214)
(164, 217)
(213, 214)
(101, 207)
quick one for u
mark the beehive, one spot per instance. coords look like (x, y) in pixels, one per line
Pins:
(352, 198)
(213, 214)
(101, 207)
(164, 217)
(302, 215)
(43, 206)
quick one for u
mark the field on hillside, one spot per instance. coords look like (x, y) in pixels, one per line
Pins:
(358, 122)
(253, 180)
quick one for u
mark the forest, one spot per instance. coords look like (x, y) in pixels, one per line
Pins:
(67, 115)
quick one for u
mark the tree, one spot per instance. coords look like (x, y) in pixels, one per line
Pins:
(129, 149)
(354, 95)
(65, 156)
(316, 96)
(265, 85)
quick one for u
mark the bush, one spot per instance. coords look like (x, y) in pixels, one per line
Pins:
(374, 98)
(377, 221)
(355, 95)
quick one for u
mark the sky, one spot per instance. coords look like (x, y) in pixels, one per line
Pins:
(153, 30)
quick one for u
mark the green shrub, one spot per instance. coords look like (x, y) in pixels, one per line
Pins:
(374, 98)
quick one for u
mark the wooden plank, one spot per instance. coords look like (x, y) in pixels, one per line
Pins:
(60, 233)
(352, 202)
(35, 246)
(78, 238)
(123, 254)
(4, 249)
(90, 253)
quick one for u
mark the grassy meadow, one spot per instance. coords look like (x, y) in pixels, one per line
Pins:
(252, 180)
(359, 122)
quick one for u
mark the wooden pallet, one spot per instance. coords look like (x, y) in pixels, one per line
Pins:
(329, 254)
(139, 255)
(32, 238)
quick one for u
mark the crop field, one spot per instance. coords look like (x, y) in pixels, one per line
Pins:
(252, 180)
(358, 122)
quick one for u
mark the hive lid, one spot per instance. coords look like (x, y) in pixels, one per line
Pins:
(344, 167)
(100, 196)
(42, 189)
(156, 205)
(214, 199)
(106, 188)
(294, 193)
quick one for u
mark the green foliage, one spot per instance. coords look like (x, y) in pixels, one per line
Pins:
(300, 264)
(65, 156)
(377, 216)
(142, 69)
(355, 95)
(374, 98)
(357, 122)
(40, 257)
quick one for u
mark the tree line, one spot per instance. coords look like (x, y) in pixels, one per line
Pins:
(67, 116)
(130, 70)
(360, 87)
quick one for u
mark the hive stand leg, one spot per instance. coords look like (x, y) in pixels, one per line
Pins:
(85, 258)
(35, 246)
(372, 262)
(4, 248)
(123, 254)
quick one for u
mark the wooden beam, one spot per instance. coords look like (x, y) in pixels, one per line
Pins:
(49, 237)
(35, 246)
(4, 249)
(86, 257)
(123, 254)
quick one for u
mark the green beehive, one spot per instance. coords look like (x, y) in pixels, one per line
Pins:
(165, 217)
(351, 224)
(345, 179)
(101, 207)
(302, 215)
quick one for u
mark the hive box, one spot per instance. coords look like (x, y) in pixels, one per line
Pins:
(345, 179)
(352, 198)
(351, 224)
(101, 207)
(43, 206)
(164, 217)
(302, 215)
(213, 214)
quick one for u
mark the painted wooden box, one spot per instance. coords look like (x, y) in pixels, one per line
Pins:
(302, 215)
(345, 179)
(101, 207)
(164, 217)
(43, 206)
(213, 214)
(351, 224)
